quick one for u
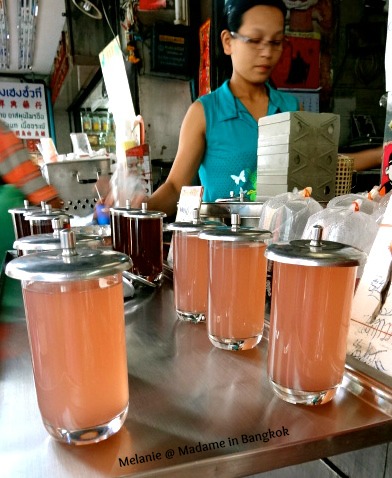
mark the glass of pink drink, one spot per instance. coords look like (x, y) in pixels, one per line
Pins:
(309, 320)
(236, 286)
(190, 276)
(310, 317)
(77, 341)
(74, 309)
(236, 296)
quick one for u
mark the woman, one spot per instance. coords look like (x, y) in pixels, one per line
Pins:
(218, 137)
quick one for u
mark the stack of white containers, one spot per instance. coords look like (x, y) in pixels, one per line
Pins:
(297, 150)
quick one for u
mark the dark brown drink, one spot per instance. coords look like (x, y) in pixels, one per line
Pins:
(20, 223)
(119, 226)
(145, 246)
(41, 222)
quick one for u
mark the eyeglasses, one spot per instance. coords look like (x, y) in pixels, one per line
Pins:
(259, 43)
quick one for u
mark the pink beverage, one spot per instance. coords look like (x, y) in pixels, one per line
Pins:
(236, 294)
(310, 314)
(190, 276)
(77, 340)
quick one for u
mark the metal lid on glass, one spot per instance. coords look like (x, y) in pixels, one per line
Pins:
(50, 242)
(144, 213)
(123, 209)
(70, 264)
(196, 225)
(26, 209)
(315, 252)
(236, 233)
(48, 214)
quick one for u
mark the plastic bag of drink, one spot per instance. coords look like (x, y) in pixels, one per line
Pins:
(286, 215)
(382, 203)
(365, 202)
(347, 225)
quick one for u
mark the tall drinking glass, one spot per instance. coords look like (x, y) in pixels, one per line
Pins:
(19, 221)
(120, 229)
(236, 286)
(312, 293)
(75, 318)
(146, 242)
(190, 268)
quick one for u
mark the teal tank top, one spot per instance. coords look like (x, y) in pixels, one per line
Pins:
(229, 166)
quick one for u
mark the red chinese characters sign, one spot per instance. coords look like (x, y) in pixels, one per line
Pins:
(204, 66)
(23, 108)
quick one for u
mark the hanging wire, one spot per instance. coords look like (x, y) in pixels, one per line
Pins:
(107, 19)
(115, 35)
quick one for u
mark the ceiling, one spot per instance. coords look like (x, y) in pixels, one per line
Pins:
(50, 23)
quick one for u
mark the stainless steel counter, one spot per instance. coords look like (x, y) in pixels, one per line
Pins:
(194, 410)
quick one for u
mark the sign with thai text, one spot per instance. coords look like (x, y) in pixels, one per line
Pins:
(171, 49)
(23, 108)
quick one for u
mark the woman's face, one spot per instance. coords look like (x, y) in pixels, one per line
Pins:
(257, 46)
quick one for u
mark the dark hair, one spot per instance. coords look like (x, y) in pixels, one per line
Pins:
(234, 10)
(232, 20)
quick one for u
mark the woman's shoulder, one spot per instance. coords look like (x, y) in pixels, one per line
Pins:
(222, 92)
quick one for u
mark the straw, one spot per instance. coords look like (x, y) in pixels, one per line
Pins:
(99, 196)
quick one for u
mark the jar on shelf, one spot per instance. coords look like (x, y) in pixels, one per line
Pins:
(96, 123)
(105, 123)
(86, 122)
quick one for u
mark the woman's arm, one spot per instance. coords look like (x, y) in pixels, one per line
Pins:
(367, 158)
(191, 147)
